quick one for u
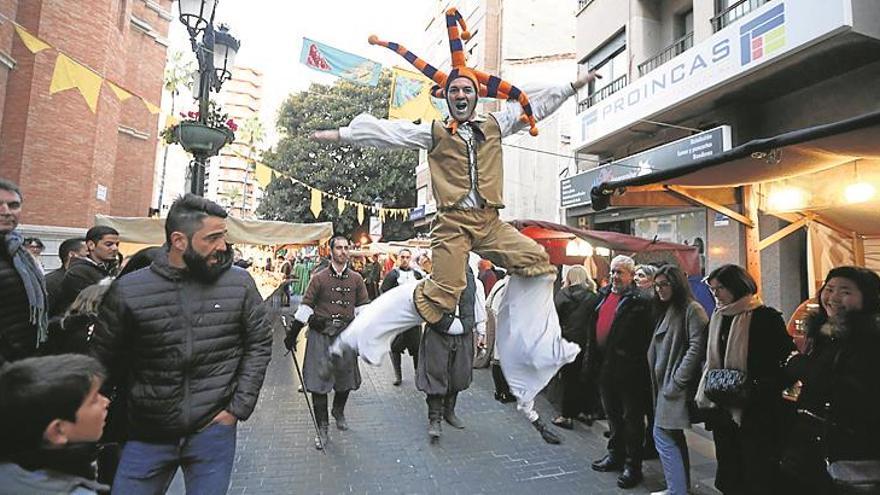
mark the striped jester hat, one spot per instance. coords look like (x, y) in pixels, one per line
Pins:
(488, 86)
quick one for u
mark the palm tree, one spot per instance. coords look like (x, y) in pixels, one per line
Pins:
(178, 75)
(252, 134)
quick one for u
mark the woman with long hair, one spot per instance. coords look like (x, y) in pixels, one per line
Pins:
(839, 403)
(748, 336)
(575, 303)
(675, 357)
(70, 333)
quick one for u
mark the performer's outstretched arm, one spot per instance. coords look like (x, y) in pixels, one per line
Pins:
(366, 130)
(544, 100)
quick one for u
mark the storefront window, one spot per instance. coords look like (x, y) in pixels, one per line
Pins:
(682, 228)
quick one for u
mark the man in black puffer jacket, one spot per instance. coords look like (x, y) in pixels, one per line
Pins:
(188, 337)
(23, 307)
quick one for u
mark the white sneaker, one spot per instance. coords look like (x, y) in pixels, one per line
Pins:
(661, 492)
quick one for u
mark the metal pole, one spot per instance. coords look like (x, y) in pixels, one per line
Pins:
(305, 392)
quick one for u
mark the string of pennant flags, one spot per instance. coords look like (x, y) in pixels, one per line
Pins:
(265, 174)
(69, 73)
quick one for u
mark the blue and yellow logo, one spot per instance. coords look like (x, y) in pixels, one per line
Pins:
(763, 35)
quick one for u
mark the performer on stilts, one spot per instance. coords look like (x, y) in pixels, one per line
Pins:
(465, 161)
(333, 297)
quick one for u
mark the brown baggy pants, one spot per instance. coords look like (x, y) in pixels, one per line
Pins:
(455, 232)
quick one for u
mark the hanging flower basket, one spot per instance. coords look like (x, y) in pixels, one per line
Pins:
(200, 139)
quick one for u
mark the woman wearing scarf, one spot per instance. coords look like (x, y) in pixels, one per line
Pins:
(839, 371)
(746, 335)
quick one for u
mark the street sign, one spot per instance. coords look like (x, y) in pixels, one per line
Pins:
(575, 190)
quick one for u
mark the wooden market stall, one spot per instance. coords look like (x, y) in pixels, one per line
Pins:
(825, 179)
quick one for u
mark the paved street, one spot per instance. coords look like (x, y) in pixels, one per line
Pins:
(387, 451)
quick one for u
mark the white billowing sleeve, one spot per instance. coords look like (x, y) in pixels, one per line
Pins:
(480, 314)
(544, 100)
(367, 130)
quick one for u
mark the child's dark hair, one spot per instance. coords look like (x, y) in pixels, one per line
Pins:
(36, 391)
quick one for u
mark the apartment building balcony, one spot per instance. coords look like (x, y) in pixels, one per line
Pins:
(734, 12)
(602, 93)
(761, 51)
(675, 49)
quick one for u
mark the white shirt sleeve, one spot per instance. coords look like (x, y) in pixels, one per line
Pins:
(544, 100)
(303, 313)
(480, 314)
(367, 130)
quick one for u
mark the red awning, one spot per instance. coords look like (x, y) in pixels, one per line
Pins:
(554, 237)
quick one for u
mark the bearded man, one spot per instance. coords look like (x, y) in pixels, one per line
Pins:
(189, 337)
(465, 161)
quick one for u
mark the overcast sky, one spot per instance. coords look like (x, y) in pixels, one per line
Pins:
(271, 33)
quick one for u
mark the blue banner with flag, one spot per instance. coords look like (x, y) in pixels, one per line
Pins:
(333, 61)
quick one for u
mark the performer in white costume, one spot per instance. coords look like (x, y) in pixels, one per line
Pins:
(465, 161)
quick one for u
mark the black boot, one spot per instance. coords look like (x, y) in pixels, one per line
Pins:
(339, 416)
(546, 432)
(395, 363)
(449, 411)
(435, 415)
(319, 404)
(632, 476)
(338, 409)
(502, 390)
(323, 437)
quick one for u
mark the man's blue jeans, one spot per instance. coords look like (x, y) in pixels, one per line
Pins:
(673, 450)
(206, 459)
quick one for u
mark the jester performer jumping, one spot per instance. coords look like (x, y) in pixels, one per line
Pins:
(465, 161)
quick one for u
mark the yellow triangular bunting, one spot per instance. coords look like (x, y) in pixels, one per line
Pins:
(360, 214)
(316, 203)
(69, 74)
(263, 174)
(340, 205)
(34, 44)
(153, 109)
(119, 92)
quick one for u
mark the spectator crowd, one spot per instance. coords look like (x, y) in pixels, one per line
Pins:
(117, 374)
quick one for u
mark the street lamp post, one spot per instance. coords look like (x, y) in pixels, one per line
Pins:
(215, 53)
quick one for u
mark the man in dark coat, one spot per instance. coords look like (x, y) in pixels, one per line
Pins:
(67, 251)
(408, 340)
(189, 337)
(23, 305)
(446, 358)
(103, 245)
(624, 327)
(332, 299)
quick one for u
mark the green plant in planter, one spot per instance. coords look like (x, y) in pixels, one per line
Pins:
(198, 138)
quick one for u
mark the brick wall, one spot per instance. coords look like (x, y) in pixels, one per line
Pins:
(53, 145)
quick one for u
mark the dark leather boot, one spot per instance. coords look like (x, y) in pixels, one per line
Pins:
(632, 476)
(323, 437)
(435, 416)
(339, 416)
(395, 363)
(449, 411)
(546, 432)
(607, 464)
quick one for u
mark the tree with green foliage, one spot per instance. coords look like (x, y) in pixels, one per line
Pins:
(357, 174)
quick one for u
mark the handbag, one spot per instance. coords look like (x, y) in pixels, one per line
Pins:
(727, 387)
(855, 477)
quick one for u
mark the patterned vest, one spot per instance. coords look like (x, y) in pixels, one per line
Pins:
(450, 170)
